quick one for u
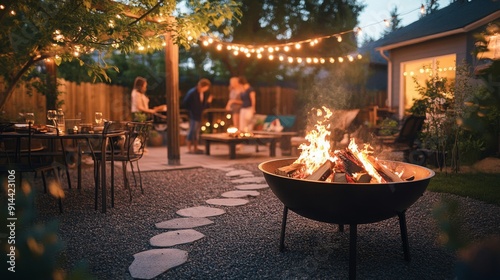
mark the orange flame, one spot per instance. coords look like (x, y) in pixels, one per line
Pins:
(363, 158)
(317, 152)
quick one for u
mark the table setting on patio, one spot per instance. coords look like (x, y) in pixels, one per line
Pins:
(60, 137)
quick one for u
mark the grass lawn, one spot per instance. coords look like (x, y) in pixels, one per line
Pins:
(480, 186)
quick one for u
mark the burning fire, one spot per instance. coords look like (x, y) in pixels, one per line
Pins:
(318, 150)
(354, 165)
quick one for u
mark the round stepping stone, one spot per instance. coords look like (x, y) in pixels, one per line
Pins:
(252, 186)
(180, 223)
(176, 237)
(249, 180)
(200, 211)
(227, 201)
(239, 172)
(151, 263)
(238, 194)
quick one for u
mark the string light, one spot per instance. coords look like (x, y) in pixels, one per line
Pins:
(422, 9)
(249, 50)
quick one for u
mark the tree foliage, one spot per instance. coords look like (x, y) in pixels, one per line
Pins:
(34, 30)
(270, 22)
(395, 22)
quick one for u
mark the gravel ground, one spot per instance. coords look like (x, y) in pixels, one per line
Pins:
(243, 243)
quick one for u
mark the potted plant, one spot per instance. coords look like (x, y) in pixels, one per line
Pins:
(155, 138)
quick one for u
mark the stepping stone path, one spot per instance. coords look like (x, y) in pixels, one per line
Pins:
(227, 201)
(200, 211)
(180, 223)
(236, 173)
(237, 194)
(249, 180)
(252, 186)
(177, 237)
(151, 263)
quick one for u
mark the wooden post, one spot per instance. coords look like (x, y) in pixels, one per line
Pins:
(172, 91)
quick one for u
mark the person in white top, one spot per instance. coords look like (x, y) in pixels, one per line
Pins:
(234, 102)
(140, 102)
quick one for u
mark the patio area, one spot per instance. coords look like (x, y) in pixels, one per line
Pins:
(243, 242)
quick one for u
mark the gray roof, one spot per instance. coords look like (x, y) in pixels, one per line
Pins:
(458, 17)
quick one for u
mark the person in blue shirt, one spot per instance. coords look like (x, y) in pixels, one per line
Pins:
(196, 100)
(247, 110)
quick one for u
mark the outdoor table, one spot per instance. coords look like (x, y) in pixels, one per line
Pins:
(233, 141)
(285, 139)
(100, 137)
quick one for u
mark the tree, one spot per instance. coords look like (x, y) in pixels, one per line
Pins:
(34, 30)
(430, 7)
(395, 22)
(272, 22)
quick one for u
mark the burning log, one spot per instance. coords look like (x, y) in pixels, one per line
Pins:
(387, 174)
(322, 173)
(289, 170)
(350, 164)
(340, 177)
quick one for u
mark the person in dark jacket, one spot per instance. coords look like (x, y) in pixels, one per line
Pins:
(196, 100)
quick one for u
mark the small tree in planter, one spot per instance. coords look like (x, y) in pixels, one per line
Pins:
(451, 110)
(436, 98)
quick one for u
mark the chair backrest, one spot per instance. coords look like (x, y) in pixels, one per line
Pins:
(412, 125)
(136, 139)
(114, 143)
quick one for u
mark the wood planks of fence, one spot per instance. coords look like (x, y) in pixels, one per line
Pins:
(113, 101)
(82, 100)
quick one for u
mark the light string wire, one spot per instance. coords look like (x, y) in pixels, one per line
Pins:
(273, 51)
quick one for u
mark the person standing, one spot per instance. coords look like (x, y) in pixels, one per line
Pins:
(247, 110)
(140, 102)
(234, 102)
(196, 100)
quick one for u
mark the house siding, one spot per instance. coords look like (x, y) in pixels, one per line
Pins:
(456, 44)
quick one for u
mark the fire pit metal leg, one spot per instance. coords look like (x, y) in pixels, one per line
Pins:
(283, 227)
(353, 236)
(404, 235)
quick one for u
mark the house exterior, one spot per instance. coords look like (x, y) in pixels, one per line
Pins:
(436, 43)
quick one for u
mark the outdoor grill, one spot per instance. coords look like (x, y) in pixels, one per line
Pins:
(347, 203)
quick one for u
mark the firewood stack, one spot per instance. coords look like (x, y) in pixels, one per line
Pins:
(343, 167)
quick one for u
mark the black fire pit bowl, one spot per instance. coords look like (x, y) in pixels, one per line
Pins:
(352, 204)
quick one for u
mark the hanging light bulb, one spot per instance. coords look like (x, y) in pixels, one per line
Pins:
(286, 48)
(339, 38)
(219, 47)
(297, 46)
(422, 9)
(341, 59)
(387, 23)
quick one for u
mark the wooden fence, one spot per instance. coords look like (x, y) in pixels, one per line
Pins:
(114, 101)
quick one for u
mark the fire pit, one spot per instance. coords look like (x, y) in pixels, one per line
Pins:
(347, 203)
